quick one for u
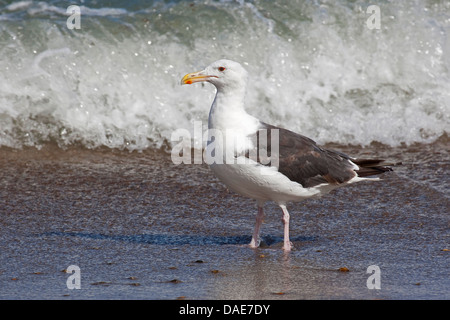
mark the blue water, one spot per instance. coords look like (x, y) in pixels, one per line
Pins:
(316, 67)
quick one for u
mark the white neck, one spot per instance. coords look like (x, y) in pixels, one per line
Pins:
(229, 120)
(227, 109)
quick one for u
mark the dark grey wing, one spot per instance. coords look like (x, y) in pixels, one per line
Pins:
(301, 159)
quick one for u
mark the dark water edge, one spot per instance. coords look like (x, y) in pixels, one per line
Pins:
(140, 227)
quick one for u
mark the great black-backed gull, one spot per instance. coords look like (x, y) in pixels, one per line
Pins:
(298, 168)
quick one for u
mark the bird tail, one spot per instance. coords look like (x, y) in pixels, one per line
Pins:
(372, 167)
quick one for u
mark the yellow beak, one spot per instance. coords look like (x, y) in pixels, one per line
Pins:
(194, 77)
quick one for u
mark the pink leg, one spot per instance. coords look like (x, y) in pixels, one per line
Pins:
(287, 246)
(259, 219)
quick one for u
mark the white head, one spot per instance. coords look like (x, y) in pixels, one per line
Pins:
(224, 74)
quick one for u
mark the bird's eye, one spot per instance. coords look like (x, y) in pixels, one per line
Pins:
(221, 69)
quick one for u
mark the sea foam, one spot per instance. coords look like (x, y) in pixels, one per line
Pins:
(314, 68)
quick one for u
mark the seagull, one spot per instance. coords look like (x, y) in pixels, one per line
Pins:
(239, 144)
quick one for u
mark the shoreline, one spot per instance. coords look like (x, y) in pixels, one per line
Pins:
(140, 227)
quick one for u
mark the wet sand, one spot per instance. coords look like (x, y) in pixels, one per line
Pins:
(140, 227)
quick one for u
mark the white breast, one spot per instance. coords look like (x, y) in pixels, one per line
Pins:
(261, 182)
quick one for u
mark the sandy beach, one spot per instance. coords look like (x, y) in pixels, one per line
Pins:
(140, 227)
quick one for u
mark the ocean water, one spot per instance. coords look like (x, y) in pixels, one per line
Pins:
(315, 67)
